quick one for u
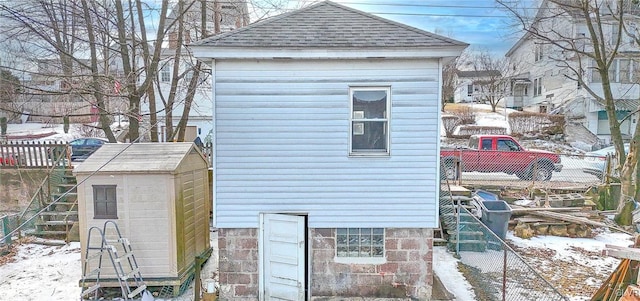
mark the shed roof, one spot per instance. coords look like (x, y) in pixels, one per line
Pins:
(137, 157)
(328, 25)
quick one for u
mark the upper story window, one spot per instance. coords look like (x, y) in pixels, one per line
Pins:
(622, 70)
(165, 74)
(539, 52)
(615, 31)
(370, 107)
(537, 86)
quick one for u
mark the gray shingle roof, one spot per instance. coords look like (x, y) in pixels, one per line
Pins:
(328, 25)
(478, 73)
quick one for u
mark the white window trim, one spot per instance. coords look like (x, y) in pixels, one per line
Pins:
(537, 87)
(387, 119)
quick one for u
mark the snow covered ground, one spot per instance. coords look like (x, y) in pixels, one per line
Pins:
(38, 272)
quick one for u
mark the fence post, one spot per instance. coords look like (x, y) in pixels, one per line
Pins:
(458, 228)
(5, 230)
(504, 274)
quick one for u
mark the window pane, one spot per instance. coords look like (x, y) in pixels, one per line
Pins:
(372, 103)
(624, 70)
(369, 135)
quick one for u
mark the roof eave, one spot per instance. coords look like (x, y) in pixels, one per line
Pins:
(208, 53)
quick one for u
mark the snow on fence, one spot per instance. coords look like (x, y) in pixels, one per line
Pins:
(33, 154)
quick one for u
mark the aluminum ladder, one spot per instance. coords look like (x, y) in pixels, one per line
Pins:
(122, 260)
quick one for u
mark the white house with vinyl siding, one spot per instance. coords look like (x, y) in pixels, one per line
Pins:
(326, 154)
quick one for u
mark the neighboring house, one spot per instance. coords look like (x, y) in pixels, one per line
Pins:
(469, 84)
(47, 91)
(230, 15)
(326, 178)
(159, 196)
(544, 86)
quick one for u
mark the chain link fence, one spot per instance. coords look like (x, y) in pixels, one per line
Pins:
(493, 268)
(577, 172)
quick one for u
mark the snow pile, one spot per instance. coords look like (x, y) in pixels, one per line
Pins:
(41, 272)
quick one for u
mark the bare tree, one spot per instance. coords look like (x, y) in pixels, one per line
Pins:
(492, 77)
(9, 91)
(449, 84)
(586, 39)
(49, 37)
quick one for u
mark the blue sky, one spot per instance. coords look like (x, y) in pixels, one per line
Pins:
(477, 22)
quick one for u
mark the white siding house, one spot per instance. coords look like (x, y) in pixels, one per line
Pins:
(547, 83)
(469, 84)
(326, 154)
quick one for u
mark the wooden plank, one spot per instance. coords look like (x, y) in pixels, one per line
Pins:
(523, 210)
(621, 252)
(574, 219)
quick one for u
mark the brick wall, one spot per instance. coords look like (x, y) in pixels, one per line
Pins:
(406, 272)
(238, 264)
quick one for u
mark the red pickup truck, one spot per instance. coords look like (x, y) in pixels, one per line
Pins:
(498, 153)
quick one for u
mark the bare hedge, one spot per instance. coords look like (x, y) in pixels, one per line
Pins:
(523, 123)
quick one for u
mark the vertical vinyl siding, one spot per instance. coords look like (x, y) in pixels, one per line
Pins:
(282, 138)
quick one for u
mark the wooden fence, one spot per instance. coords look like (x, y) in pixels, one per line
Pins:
(30, 154)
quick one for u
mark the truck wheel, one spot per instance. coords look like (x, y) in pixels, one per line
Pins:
(449, 171)
(542, 173)
(523, 175)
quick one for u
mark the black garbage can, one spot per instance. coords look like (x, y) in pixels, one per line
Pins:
(496, 215)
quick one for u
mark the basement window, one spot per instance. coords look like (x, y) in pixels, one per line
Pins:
(360, 242)
(105, 202)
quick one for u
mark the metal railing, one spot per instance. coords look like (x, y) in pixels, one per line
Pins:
(7, 223)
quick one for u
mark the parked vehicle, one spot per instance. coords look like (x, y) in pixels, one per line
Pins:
(7, 161)
(596, 161)
(499, 153)
(82, 148)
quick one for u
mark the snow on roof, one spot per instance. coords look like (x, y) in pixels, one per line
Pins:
(136, 157)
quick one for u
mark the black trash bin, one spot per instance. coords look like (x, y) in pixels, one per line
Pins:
(496, 215)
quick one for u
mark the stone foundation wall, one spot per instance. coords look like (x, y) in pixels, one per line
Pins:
(238, 264)
(406, 272)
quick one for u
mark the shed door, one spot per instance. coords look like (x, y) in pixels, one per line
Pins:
(283, 257)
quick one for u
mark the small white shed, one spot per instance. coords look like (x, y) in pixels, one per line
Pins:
(158, 194)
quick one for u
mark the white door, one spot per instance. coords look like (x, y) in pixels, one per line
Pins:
(283, 257)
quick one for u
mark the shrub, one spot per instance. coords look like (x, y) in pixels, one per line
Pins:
(65, 121)
(469, 130)
(522, 123)
(466, 115)
(449, 123)
(3, 126)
